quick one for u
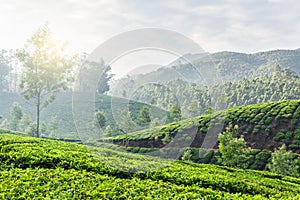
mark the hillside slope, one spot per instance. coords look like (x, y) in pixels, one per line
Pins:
(264, 126)
(43, 168)
(62, 108)
(227, 66)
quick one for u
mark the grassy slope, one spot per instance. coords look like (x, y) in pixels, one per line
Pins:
(265, 126)
(62, 107)
(39, 168)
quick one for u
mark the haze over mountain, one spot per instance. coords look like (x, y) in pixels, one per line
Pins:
(214, 68)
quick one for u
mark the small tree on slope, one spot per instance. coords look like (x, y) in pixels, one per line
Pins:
(284, 162)
(45, 72)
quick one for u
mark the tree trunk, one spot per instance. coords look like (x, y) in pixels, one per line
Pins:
(38, 117)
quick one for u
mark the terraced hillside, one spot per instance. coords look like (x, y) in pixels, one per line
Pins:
(264, 126)
(42, 168)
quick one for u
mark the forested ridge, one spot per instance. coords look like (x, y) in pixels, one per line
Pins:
(281, 84)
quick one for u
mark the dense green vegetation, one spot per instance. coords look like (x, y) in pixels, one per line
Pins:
(194, 98)
(43, 168)
(264, 126)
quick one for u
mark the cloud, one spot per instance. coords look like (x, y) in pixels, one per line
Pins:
(250, 25)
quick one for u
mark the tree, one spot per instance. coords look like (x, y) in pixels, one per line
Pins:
(194, 108)
(175, 113)
(25, 122)
(43, 129)
(99, 119)
(4, 124)
(103, 84)
(208, 110)
(31, 129)
(232, 149)
(53, 125)
(46, 70)
(283, 162)
(108, 131)
(144, 116)
(4, 70)
(15, 115)
(187, 155)
(155, 122)
(126, 124)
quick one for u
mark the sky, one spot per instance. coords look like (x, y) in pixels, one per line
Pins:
(216, 25)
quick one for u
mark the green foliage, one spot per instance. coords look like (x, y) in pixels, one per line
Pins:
(43, 129)
(126, 121)
(105, 78)
(187, 155)
(4, 124)
(283, 162)
(155, 122)
(99, 119)
(31, 129)
(196, 99)
(144, 116)
(231, 148)
(261, 160)
(5, 69)
(42, 168)
(242, 116)
(108, 131)
(46, 70)
(279, 136)
(194, 108)
(297, 133)
(25, 122)
(15, 116)
(208, 110)
(175, 113)
(294, 122)
(166, 139)
(53, 125)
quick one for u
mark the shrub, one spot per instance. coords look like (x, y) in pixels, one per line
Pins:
(297, 133)
(256, 129)
(187, 155)
(261, 160)
(294, 122)
(268, 120)
(294, 147)
(279, 136)
(283, 162)
(166, 139)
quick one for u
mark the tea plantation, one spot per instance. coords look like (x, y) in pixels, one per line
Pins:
(32, 168)
(264, 126)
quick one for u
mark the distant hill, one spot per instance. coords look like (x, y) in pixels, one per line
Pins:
(186, 58)
(215, 68)
(281, 84)
(42, 168)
